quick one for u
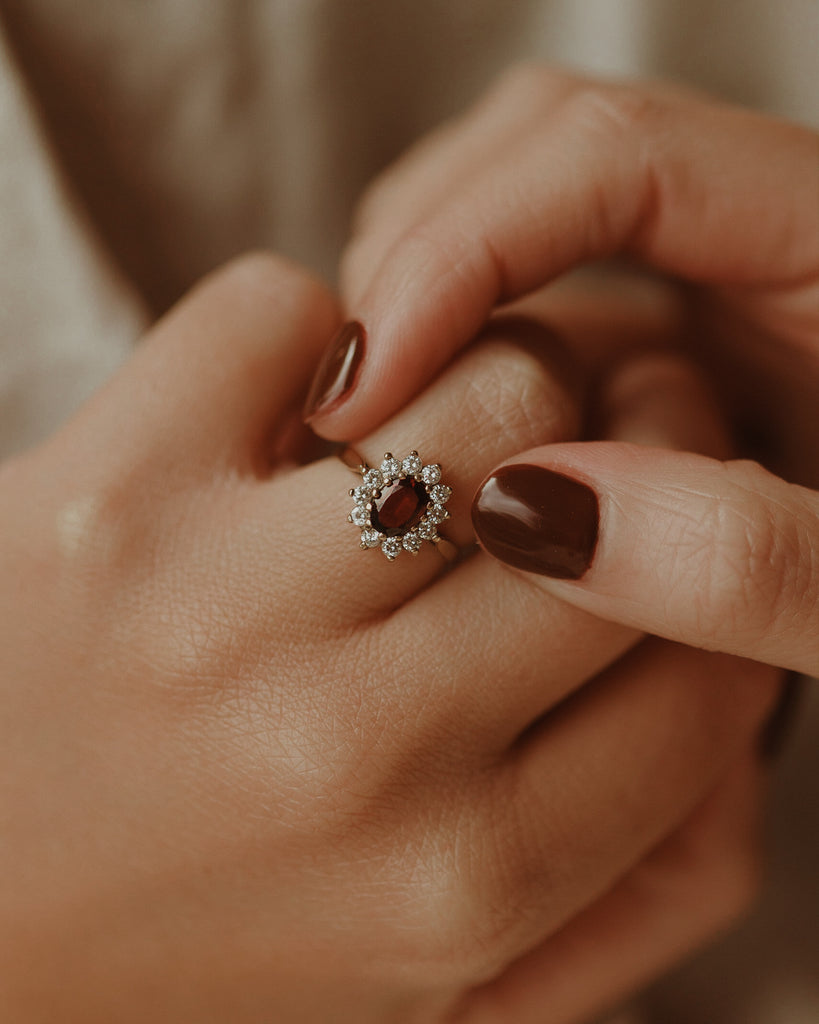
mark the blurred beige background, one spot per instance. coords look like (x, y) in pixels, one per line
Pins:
(143, 143)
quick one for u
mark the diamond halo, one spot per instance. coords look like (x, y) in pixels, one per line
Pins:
(399, 504)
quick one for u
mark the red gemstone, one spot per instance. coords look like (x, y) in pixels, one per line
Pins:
(400, 507)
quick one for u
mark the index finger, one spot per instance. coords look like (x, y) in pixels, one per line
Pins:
(705, 191)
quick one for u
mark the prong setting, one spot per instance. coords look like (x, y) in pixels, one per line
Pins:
(399, 505)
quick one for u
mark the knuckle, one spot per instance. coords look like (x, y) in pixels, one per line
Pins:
(529, 80)
(519, 392)
(86, 526)
(524, 76)
(502, 890)
(471, 931)
(371, 203)
(262, 276)
(452, 952)
(618, 109)
(624, 123)
(89, 528)
(465, 916)
(256, 269)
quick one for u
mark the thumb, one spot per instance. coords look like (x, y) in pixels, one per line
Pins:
(721, 555)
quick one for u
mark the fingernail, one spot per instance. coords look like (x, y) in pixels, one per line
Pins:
(537, 520)
(337, 372)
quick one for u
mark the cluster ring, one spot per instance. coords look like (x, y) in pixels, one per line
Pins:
(399, 504)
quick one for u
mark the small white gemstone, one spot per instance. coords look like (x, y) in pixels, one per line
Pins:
(431, 475)
(412, 464)
(362, 495)
(427, 530)
(391, 546)
(441, 494)
(372, 538)
(360, 516)
(437, 514)
(412, 542)
(390, 469)
(372, 478)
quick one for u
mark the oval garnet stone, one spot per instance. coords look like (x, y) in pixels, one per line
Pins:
(400, 507)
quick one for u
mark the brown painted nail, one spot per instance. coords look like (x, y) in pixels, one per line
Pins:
(337, 372)
(537, 520)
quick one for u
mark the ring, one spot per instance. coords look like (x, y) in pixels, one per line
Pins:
(399, 505)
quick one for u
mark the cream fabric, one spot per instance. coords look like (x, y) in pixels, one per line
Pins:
(143, 143)
(67, 318)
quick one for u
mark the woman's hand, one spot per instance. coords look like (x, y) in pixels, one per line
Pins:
(251, 772)
(551, 171)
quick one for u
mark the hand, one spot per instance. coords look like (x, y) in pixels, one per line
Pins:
(551, 171)
(248, 769)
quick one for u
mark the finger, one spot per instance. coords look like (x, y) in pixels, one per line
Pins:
(437, 165)
(220, 373)
(683, 184)
(610, 313)
(502, 390)
(689, 889)
(523, 656)
(719, 555)
(661, 400)
(611, 773)
(528, 649)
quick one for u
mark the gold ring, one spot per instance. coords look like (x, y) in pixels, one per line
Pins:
(399, 504)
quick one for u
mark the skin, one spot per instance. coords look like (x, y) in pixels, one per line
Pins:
(551, 171)
(249, 772)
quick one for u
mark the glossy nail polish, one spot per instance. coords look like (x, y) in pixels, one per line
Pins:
(538, 520)
(336, 374)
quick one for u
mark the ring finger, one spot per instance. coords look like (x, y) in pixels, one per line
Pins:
(505, 393)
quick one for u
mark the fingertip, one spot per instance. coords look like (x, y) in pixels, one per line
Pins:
(712, 554)
(355, 385)
(549, 511)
